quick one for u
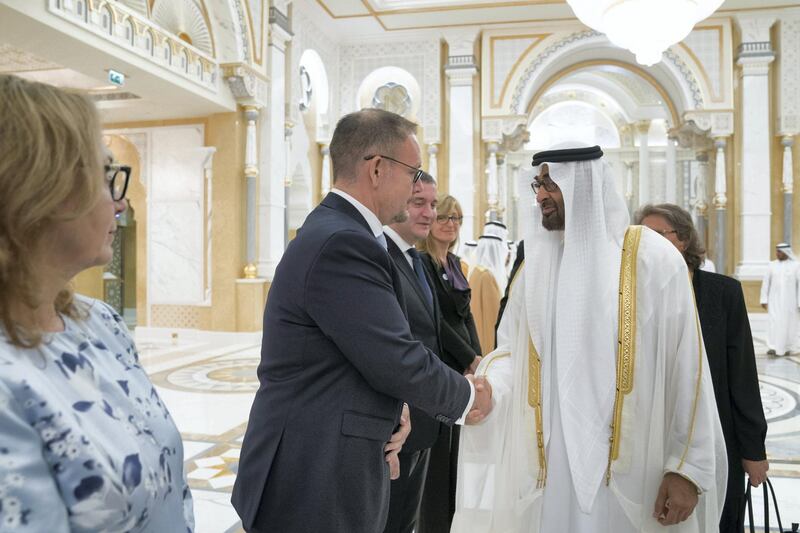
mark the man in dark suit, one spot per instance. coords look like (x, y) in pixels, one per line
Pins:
(337, 356)
(731, 359)
(423, 318)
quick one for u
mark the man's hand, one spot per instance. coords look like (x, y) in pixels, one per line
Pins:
(677, 498)
(394, 465)
(473, 366)
(399, 437)
(395, 444)
(482, 405)
(756, 471)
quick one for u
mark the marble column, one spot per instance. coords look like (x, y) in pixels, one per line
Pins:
(642, 129)
(670, 190)
(251, 178)
(492, 188)
(325, 182)
(461, 69)
(700, 196)
(788, 184)
(629, 186)
(686, 184)
(754, 57)
(720, 204)
(502, 186)
(433, 162)
(513, 208)
(272, 200)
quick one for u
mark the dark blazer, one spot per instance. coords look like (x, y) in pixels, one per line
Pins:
(337, 361)
(732, 363)
(424, 324)
(514, 269)
(459, 337)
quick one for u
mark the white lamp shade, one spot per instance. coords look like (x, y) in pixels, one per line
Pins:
(645, 27)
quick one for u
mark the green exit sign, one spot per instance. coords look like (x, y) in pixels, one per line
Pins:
(117, 78)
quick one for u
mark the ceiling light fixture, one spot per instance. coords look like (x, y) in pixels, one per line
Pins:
(645, 27)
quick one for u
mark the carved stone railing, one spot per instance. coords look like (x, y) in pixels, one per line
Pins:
(130, 30)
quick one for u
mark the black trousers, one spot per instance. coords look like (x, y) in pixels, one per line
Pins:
(406, 492)
(439, 498)
(732, 519)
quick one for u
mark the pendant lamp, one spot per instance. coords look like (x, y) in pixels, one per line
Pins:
(645, 27)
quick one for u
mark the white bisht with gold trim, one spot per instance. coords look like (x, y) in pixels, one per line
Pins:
(600, 381)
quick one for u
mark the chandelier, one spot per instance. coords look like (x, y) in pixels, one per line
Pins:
(645, 27)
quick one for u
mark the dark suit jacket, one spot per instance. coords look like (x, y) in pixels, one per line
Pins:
(514, 269)
(424, 324)
(732, 363)
(337, 360)
(460, 342)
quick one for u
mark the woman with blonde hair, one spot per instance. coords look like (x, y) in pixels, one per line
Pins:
(461, 351)
(86, 444)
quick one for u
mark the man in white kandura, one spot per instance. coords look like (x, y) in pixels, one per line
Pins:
(780, 296)
(602, 414)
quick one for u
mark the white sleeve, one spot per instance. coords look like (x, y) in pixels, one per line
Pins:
(765, 286)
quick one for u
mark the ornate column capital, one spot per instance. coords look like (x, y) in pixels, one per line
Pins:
(642, 127)
(787, 141)
(247, 86)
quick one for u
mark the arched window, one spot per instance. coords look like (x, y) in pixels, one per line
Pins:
(167, 52)
(107, 20)
(80, 7)
(184, 61)
(149, 41)
(130, 32)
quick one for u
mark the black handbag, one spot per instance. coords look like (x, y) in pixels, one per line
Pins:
(767, 486)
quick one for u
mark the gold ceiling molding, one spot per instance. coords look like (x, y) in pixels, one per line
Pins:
(536, 37)
(602, 63)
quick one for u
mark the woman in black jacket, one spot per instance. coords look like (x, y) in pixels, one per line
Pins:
(461, 351)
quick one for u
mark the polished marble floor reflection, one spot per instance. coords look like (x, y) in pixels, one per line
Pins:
(208, 381)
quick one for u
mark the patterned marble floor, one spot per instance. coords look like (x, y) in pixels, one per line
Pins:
(208, 381)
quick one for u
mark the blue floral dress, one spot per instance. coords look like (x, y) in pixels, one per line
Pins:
(85, 442)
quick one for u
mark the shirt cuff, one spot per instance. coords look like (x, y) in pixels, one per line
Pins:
(687, 478)
(463, 418)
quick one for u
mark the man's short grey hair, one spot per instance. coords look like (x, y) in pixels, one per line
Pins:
(681, 221)
(427, 178)
(364, 133)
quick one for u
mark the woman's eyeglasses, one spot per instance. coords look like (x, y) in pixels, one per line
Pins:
(117, 177)
(444, 219)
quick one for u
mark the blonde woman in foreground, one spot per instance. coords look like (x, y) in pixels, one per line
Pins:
(86, 444)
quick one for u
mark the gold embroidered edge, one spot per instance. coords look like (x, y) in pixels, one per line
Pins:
(626, 341)
(535, 401)
(699, 380)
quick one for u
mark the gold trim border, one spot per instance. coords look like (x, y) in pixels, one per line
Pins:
(626, 337)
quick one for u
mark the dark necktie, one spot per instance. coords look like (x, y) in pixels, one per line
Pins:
(423, 280)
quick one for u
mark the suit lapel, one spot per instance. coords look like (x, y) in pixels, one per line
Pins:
(399, 259)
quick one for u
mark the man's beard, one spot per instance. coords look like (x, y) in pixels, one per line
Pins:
(553, 222)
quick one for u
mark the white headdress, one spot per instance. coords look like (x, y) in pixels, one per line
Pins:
(787, 249)
(492, 252)
(575, 273)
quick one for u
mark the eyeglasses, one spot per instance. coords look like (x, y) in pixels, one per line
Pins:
(418, 172)
(549, 186)
(666, 232)
(117, 177)
(444, 219)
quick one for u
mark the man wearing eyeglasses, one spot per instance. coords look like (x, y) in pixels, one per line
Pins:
(602, 414)
(337, 357)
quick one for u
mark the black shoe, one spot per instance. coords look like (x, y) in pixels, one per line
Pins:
(771, 352)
